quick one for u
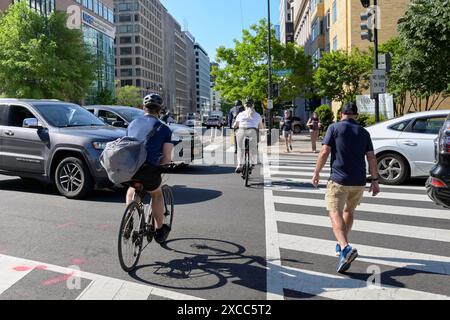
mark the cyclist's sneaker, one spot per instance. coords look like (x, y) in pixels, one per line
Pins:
(238, 169)
(348, 255)
(290, 146)
(338, 250)
(162, 234)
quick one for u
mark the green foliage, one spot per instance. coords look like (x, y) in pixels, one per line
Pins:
(341, 76)
(105, 97)
(422, 54)
(244, 69)
(41, 58)
(129, 96)
(326, 116)
(366, 119)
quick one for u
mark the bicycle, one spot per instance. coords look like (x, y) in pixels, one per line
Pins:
(246, 169)
(137, 224)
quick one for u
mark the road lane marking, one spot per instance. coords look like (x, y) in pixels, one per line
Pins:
(378, 255)
(370, 227)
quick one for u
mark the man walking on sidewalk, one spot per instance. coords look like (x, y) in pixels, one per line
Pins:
(349, 144)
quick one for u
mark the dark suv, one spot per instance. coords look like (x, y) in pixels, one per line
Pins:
(54, 141)
(438, 184)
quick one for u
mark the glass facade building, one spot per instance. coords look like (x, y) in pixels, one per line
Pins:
(41, 6)
(103, 47)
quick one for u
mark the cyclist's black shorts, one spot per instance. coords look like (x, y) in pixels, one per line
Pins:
(149, 176)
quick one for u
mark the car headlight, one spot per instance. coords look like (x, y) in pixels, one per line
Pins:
(99, 145)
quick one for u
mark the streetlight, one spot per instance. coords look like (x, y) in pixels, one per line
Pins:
(269, 93)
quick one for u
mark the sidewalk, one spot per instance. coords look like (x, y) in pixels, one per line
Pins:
(301, 144)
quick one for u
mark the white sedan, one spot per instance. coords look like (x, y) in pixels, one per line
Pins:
(404, 146)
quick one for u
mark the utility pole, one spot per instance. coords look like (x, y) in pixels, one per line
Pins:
(269, 92)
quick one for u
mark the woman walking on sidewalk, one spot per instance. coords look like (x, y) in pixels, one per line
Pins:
(314, 127)
(286, 127)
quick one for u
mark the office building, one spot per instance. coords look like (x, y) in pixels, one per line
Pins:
(203, 81)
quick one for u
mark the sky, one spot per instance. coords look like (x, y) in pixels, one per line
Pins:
(217, 22)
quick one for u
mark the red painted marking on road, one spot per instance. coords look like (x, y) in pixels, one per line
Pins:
(104, 226)
(58, 279)
(22, 268)
(78, 261)
(65, 225)
(42, 267)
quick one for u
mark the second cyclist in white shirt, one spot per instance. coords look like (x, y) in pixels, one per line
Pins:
(248, 122)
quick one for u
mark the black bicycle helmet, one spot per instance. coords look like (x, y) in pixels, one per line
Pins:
(249, 100)
(238, 103)
(153, 98)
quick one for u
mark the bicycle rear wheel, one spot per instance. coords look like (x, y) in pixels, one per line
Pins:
(131, 236)
(168, 205)
(247, 168)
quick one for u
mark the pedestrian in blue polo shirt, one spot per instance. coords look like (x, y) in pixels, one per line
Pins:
(349, 143)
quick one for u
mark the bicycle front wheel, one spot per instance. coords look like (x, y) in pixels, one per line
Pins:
(131, 235)
(168, 205)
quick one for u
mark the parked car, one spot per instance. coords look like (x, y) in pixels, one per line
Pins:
(182, 136)
(214, 122)
(438, 184)
(404, 146)
(192, 120)
(54, 141)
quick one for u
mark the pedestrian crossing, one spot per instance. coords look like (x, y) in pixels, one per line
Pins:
(27, 279)
(403, 239)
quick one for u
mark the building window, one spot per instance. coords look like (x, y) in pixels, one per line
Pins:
(335, 43)
(126, 62)
(334, 11)
(126, 72)
(127, 82)
(315, 31)
(126, 50)
(95, 6)
(328, 18)
(314, 5)
(124, 18)
(138, 82)
(125, 40)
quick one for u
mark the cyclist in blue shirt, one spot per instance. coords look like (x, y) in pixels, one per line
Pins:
(159, 152)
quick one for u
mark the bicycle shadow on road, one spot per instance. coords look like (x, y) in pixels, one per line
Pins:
(208, 264)
(211, 264)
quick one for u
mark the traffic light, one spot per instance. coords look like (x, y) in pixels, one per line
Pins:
(275, 90)
(365, 3)
(368, 24)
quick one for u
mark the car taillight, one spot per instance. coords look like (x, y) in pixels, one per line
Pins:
(438, 183)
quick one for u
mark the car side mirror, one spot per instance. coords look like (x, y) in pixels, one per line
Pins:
(31, 123)
(120, 124)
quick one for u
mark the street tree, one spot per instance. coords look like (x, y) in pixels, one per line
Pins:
(424, 68)
(243, 70)
(341, 75)
(41, 58)
(129, 96)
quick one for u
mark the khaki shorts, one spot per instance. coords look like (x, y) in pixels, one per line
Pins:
(338, 196)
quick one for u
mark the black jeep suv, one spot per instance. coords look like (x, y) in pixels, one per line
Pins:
(54, 141)
(438, 184)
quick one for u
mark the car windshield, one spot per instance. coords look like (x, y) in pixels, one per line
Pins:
(67, 115)
(129, 114)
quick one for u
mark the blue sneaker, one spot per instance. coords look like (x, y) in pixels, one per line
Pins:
(348, 255)
(338, 250)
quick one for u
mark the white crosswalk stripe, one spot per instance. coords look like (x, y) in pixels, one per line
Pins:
(13, 269)
(293, 204)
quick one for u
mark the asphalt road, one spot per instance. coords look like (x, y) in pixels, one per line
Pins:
(216, 249)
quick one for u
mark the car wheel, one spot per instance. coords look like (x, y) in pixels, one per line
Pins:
(297, 129)
(392, 168)
(72, 178)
